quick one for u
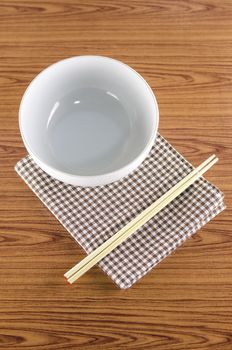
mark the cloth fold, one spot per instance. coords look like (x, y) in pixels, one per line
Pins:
(92, 215)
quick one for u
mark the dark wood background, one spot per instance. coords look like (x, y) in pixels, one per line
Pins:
(184, 50)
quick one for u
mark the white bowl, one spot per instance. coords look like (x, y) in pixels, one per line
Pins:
(88, 120)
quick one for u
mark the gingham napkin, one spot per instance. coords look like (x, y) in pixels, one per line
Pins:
(92, 215)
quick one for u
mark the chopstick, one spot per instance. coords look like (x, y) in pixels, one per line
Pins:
(89, 261)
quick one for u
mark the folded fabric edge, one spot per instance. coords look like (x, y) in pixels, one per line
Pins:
(190, 164)
(46, 205)
(216, 211)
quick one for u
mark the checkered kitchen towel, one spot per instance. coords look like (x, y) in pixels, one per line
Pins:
(92, 215)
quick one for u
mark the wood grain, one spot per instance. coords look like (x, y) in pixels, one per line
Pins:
(184, 50)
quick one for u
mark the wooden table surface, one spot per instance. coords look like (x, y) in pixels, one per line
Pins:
(184, 50)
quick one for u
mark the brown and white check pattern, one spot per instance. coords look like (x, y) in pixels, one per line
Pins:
(92, 215)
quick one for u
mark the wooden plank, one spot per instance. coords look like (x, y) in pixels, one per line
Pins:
(184, 50)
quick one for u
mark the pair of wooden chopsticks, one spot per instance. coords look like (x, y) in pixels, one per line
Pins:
(93, 258)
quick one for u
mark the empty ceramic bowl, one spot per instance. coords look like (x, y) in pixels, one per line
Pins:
(88, 120)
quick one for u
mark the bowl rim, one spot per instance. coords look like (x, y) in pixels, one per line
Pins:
(101, 177)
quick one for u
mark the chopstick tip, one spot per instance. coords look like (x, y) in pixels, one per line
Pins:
(67, 281)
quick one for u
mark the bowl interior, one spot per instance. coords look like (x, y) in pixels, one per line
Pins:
(87, 115)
